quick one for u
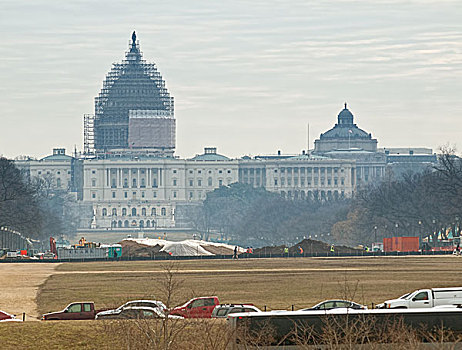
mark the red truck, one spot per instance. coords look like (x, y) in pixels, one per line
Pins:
(74, 311)
(201, 307)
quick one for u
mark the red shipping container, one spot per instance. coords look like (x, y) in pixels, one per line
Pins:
(401, 244)
(387, 245)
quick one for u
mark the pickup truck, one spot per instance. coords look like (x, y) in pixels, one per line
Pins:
(74, 311)
(201, 307)
(425, 298)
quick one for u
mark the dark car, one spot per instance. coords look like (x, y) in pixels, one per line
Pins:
(74, 311)
(5, 317)
(336, 304)
(223, 310)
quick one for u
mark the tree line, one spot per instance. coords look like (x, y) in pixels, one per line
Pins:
(426, 204)
(413, 204)
(33, 207)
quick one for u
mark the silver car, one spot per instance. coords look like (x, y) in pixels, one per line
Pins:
(223, 310)
(153, 304)
(336, 304)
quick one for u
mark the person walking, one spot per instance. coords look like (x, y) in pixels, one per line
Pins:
(332, 249)
(286, 251)
(300, 249)
(235, 253)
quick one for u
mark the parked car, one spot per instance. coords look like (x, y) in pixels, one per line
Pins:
(223, 310)
(336, 304)
(201, 307)
(137, 312)
(6, 317)
(424, 298)
(134, 303)
(74, 311)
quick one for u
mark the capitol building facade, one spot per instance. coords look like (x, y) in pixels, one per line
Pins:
(128, 177)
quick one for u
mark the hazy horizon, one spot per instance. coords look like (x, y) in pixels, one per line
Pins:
(247, 77)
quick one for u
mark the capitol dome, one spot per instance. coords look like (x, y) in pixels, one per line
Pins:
(345, 128)
(134, 109)
(345, 135)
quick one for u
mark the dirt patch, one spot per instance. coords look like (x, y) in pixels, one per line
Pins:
(309, 246)
(216, 250)
(134, 249)
(19, 286)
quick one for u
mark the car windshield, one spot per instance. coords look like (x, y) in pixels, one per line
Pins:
(405, 296)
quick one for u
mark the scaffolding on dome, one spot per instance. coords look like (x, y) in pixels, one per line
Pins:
(129, 89)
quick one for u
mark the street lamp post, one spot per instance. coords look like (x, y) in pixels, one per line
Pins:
(396, 232)
(420, 232)
(375, 234)
(457, 229)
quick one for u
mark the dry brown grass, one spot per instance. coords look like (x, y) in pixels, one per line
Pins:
(276, 283)
(55, 335)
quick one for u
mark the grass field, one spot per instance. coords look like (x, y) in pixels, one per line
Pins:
(275, 283)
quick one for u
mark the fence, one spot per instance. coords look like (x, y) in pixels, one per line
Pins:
(11, 240)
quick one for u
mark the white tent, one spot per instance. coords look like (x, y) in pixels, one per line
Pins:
(188, 247)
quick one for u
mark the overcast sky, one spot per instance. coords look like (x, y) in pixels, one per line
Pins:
(247, 76)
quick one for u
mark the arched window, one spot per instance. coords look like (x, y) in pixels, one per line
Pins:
(153, 223)
(153, 212)
(126, 223)
(163, 211)
(104, 212)
(133, 223)
(143, 211)
(133, 211)
(209, 181)
(119, 223)
(113, 224)
(143, 182)
(58, 183)
(148, 223)
(114, 212)
(125, 183)
(141, 223)
(124, 211)
(134, 183)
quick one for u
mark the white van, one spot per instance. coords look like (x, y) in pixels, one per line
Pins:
(424, 298)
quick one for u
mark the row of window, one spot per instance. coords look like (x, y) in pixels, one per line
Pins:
(49, 172)
(322, 182)
(313, 194)
(133, 223)
(134, 212)
(134, 183)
